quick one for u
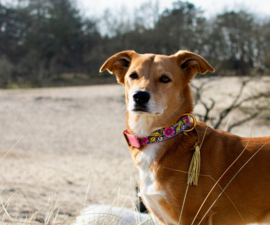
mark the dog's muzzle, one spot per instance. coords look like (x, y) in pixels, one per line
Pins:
(141, 98)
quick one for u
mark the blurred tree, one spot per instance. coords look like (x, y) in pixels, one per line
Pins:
(147, 15)
(45, 38)
(234, 42)
(264, 46)
(6, 71)
(56, 31)
(42, 39)
(181, 27)
(12, 31)
(114, 25)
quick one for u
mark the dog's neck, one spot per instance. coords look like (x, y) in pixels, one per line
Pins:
(141, 125)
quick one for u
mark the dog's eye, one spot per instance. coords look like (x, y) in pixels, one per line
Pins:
(134, 76)
(164, 79)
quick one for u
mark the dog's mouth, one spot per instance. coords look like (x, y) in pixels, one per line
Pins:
(148, 108)
(143, 109)
(140, 109)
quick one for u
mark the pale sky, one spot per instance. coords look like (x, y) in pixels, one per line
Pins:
(211, 7)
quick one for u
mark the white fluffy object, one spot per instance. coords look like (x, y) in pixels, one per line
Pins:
(112, 215)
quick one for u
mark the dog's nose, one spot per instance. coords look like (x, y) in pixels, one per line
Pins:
(141, 97)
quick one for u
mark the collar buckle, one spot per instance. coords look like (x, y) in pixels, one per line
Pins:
(131, 140)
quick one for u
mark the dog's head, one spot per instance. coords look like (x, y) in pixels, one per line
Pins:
(157, 86)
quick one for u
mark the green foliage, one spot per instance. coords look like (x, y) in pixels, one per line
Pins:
(235, 43)
(42, 39)
(45, 38)
(237, 37)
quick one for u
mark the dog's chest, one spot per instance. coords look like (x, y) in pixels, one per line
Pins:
(148, 190)
(147, 175)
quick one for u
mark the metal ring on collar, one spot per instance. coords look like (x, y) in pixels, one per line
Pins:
(194, 121)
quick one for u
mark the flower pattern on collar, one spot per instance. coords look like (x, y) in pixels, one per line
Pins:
(166, 133)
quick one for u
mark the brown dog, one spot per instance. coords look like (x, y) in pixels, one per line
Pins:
(157, 95)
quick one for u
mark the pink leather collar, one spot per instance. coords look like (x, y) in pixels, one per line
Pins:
(158, 135)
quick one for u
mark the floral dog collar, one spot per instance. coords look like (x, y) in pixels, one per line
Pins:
(159, 135)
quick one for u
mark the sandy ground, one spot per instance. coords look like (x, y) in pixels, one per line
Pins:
(70, 152)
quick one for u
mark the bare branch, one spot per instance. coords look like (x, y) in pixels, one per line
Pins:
(198, 98)
(259, 103)
(234, 105)
(243, 121)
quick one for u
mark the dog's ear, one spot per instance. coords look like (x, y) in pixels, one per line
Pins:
(118, 64)
(192, 63)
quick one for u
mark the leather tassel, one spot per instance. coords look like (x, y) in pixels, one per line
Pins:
(194, 167)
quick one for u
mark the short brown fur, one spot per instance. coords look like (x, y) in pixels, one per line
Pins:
(249, 191)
